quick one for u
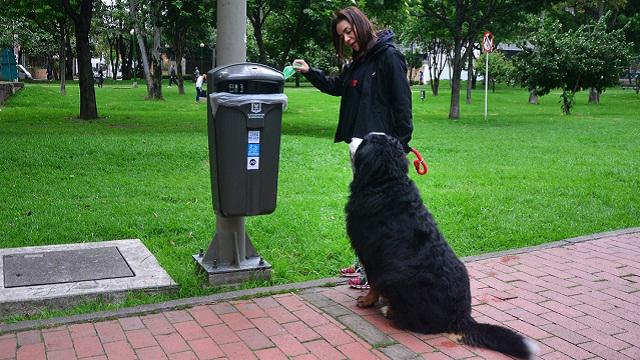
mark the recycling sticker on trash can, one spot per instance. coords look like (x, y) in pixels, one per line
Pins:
(253, 150)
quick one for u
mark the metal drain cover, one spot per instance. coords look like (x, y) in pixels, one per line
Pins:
(56, 267)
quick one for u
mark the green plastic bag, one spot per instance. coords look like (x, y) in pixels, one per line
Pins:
(288, 71)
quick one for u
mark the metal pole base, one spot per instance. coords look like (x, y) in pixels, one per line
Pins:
(231, 258)
(254, 268)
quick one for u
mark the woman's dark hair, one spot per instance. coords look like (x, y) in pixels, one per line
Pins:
(361, 26)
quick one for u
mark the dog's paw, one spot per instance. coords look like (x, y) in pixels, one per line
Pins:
(366, 301)
(386, 311)
(459, 338)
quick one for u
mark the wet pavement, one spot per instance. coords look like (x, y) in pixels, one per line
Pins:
(578, 299)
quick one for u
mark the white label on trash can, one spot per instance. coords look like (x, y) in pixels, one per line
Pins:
(253, 137)
(253, 163)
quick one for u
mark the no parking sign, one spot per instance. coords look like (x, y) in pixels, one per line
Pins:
(487, 42)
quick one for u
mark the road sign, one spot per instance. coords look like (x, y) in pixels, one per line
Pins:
(487, 46)
(487, 42)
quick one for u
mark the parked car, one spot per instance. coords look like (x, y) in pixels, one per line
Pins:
(23, 73)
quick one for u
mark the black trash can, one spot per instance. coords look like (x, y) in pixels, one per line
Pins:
(245, 105)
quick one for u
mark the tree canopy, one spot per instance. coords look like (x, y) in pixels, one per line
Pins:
(440, 31)
(572, 60)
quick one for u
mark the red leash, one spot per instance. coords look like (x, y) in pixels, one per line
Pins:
(421, 166)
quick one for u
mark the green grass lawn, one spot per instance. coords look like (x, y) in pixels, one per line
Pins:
(529, 175)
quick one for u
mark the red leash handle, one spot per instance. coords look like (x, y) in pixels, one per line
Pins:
(419, 163)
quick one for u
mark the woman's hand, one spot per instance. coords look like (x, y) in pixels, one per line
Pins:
(301, 66)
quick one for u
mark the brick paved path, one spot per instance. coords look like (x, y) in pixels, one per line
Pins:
(580, 300)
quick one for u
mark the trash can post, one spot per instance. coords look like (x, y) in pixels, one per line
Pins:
(245, 106)
(226, 253)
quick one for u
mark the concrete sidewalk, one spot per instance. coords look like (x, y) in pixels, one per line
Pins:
(578, 298)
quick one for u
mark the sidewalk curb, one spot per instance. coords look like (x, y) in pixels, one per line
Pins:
(202, 300)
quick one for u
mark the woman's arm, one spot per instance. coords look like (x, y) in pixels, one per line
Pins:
(332, 85)
(400, 94)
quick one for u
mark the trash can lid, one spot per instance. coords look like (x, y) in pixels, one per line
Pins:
(246, 71)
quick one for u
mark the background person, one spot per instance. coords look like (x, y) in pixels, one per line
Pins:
(196, 73)
(100, 77)
(199, 81)
(172, 75)
(373, 86)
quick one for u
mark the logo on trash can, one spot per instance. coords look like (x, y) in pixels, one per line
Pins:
(256, 107)
(253, 163)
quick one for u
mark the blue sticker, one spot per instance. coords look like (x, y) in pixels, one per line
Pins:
(253, 149)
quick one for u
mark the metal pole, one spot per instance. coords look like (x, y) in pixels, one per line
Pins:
(486, 85)
(201, 50)
(231, 47)
(133, 58)
(231, 257)
(232, 32)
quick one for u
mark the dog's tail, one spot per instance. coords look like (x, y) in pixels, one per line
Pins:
(499, 339)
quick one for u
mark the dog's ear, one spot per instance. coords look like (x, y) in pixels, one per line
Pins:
(379, 157)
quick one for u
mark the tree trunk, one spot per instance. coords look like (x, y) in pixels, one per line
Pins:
(180, 77)
(594, 96)
(437, 59)
(145, 61)
(533, 96)
(88, 108)
(127, 65)
(117, 65)
(435, 86)
(257, 18)
(115, 60)
(177, 41)
(61, 50)
(155, 90)
(469, 72)
(143, 49)
(454, 109)
(450, 67)
(257, 33)
(82, 21)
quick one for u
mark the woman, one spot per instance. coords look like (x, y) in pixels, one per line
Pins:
(375, 93)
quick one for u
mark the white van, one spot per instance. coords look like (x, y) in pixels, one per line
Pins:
(23, 73)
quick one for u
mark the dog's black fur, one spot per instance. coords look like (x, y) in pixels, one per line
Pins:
(407, 259)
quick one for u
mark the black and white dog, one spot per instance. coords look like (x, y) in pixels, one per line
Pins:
(408, 261)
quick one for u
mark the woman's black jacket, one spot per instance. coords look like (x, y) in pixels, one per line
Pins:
(385, 99)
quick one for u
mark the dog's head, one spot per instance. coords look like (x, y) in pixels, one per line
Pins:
(378, 158)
